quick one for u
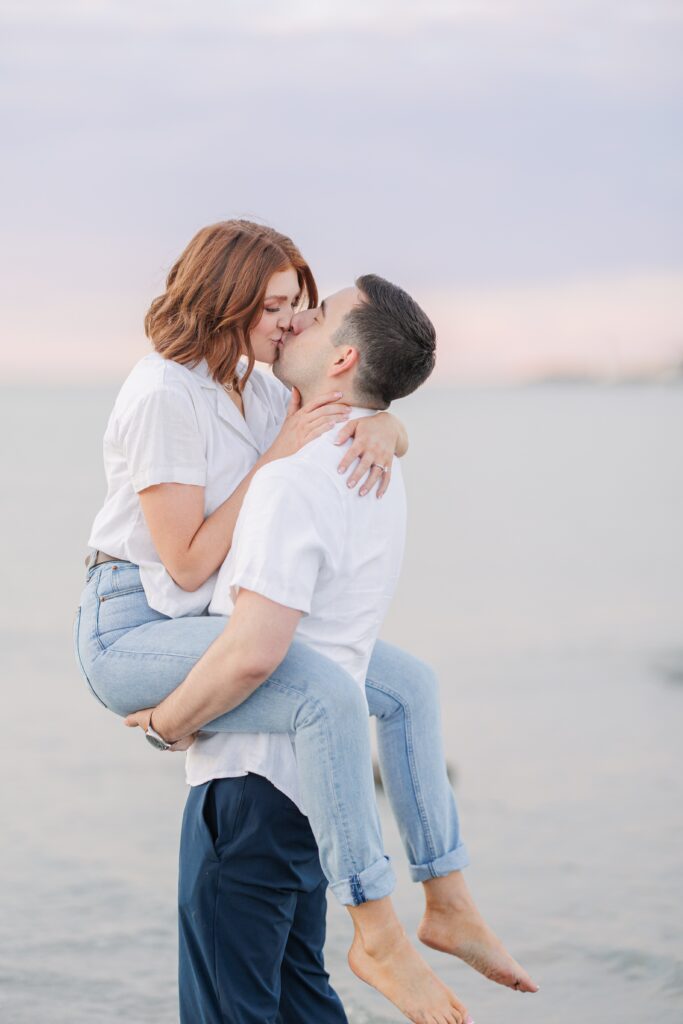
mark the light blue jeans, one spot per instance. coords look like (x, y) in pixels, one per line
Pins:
(132, 657)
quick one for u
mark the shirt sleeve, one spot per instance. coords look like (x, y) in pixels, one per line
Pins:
(162, 440)
(288, 529)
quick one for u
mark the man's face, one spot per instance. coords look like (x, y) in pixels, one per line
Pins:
(307, 353)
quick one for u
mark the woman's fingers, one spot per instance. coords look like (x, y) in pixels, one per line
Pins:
(361, 470)
(330, 409)
(376, 476)
(321, 429)
(384, 483)
(313, 428)
(346, 432)
(370, 464)
(350, 455)
(316, 403)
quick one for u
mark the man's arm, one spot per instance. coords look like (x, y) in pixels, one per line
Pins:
(254, 642)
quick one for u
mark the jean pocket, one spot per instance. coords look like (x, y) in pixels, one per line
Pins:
(79, 660)
(119, 611)
(118, 578)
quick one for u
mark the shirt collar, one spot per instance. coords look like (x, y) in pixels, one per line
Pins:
(207, 381)
(252, 425)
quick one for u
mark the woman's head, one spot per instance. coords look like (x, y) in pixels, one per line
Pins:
(232, 292)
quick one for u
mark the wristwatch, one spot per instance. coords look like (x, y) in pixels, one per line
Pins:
(157, 741)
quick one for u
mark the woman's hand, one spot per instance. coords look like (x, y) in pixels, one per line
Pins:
(376, 440)
(304, 423)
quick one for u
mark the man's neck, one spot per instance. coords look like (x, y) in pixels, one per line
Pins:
(348, 396)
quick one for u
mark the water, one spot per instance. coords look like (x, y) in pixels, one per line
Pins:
(543, 578)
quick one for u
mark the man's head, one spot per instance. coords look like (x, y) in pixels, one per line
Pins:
(370, 341)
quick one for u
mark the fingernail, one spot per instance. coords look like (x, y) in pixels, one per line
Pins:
(363, 490)
(340, 394)
(351, 483)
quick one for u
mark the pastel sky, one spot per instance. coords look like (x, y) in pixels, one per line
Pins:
(517, 165)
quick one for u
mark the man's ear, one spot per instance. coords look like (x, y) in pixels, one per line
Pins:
(344, 360)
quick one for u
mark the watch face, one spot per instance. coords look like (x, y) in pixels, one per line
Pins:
(156, 741)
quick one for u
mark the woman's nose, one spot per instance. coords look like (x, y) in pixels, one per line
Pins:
(284, 321)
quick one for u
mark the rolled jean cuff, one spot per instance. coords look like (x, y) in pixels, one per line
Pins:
(453, 861)
(370, 884)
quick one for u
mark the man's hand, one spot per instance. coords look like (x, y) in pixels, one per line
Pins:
(141, 720)
(252, 645)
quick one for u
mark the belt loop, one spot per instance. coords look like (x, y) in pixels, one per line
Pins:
(90, 563)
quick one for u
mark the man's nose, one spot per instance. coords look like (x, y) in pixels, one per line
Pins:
(301, 320)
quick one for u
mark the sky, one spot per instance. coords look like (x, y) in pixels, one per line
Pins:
(517, 166)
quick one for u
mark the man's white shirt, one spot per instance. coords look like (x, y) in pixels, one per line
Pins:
(307, 541)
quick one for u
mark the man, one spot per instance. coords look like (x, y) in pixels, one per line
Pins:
(308, 559)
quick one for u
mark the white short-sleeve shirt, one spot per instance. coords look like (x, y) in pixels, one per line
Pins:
(307, 541)
(175, 424)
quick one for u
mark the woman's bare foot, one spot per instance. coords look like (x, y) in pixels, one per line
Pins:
(452, 924)
(382, 956)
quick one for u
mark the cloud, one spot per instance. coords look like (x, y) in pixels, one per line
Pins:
(606, 327)
(477, 149)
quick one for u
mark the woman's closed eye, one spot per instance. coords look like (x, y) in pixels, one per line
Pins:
(278, 309)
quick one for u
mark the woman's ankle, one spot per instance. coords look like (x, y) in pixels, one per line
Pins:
(377, 926)
(447, 894)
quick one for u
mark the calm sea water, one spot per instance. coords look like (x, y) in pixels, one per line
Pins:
(543, 578)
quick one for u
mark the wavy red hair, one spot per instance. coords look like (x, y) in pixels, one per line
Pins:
(215, 294)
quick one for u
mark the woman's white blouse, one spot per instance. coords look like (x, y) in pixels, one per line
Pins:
(173, 424)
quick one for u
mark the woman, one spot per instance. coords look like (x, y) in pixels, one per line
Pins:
(189, 429)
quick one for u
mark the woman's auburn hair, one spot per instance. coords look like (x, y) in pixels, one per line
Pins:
(215, 292)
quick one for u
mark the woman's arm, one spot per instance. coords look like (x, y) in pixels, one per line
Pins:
(191, 546)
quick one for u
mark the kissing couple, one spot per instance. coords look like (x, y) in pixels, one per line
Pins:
(241, 566)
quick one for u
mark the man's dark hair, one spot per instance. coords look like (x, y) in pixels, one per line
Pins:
(396, 341)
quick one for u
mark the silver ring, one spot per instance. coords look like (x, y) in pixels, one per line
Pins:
(376, 465)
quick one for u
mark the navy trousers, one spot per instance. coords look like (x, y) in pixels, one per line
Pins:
(252, 910)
